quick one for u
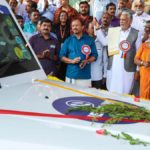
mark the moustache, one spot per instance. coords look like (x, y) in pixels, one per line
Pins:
(105, 21)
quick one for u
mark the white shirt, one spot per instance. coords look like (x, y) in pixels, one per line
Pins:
(21, 9)
(139, 21)
(99, 67)
(119, 80)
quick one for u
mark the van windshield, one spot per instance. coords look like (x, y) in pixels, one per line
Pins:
(15, 55)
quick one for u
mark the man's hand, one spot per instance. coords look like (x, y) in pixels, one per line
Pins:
(46, 53)
(40, 55)
(83, 64)
(96, 24)
(75, 60)
(45, 4)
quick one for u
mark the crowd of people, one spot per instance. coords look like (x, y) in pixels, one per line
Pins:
(73, 44)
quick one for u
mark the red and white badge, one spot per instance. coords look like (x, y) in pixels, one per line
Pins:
(125, 45)
(86, 50)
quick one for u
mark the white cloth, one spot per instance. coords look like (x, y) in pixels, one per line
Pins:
(118, 79)
(79, 82)
(21, 9)
(48, 15)
(41, 5)
(139, 21)
(49, 12)
(98, 7)
(99, 67)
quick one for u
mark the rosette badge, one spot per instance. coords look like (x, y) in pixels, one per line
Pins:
(124, 47)
(86, 50)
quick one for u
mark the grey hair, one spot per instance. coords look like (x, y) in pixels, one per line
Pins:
(128, 13)
(137, 1)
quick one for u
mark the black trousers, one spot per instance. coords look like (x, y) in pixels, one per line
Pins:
(99, 85)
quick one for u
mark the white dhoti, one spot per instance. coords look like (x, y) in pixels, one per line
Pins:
(79, 82)
(118, 79)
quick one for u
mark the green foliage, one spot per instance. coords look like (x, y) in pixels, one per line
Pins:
(117, 112)
(127, 137)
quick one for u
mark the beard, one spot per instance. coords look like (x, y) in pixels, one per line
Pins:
(138, 12)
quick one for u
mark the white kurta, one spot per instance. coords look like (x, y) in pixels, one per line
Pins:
(140, 21)
(118, 79)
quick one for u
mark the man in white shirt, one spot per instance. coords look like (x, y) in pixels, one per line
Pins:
(121, 67)
(97, 7)
(140, 17)
(122, 6)
(99, 67)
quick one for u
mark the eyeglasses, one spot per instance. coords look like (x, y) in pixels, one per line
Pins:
(138, 6)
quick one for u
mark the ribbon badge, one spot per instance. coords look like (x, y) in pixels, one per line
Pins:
(124, 46)
(86, 50)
